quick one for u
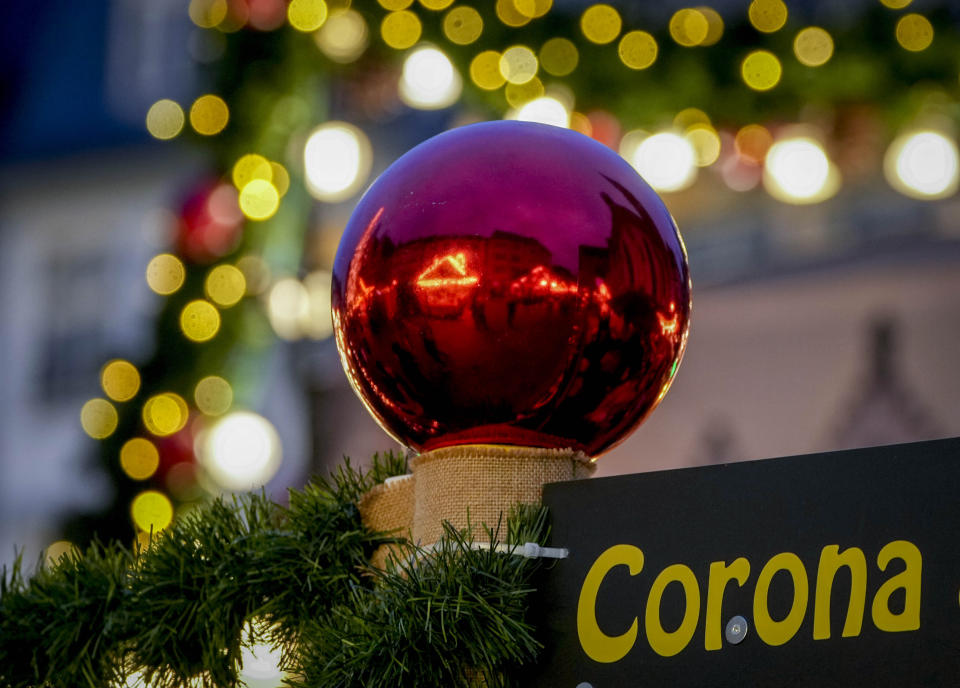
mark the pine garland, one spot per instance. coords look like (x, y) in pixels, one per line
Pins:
(456, 615)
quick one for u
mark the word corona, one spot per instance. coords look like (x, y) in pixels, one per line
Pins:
(604, 648)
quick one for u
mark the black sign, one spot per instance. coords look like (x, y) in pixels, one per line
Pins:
(839, 569)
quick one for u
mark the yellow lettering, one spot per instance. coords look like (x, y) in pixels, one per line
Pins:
(667, 644)
(599, 646)
(909, 580)
(720, 575)
(830, 562)
(778, 632)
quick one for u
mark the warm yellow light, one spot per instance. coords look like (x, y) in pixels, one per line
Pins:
(288, 305)
(923, 164)
(559, 56)
(462, 25)
(164, 414)
(139, 459)
(207, 13)
(436, 4)
(753, 141)
(316, 322)
(400, 30)
(165, 119)
(259, 199)
(689, 27)
(98, 418)
(518, 64)
(797, 170)
(151, 511)
(638, 49)
(914, 32)
(337, 159)
(281, 178)
(250, 167)
(895, 4)
(209, 115)
(120, 380)
(601, 24)
(813, 46)
(545, 110)
(307, 15)
(429, 80)
(165, 274)
(689, 117)
(213, 395)
(705, 142)
(533, 8)
(343, 37)
(485, 70)
(225, 285)
(59, 549)
(241, 451)
(256, 273)
(508, 13)
(200, 320)
(767, 15)
(666, 161)
(714, 25)
(518, 95)
(761, 70)
(394, 5)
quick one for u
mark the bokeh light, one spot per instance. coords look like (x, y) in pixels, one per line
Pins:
(767, 15)
(207, 13)
(209, 115)
(436, 5)
(895, 4)
(165, 414)
(533, 8)
(288, 305)
(601, 24)
(545, 110)
(225, 285)
(98, 418)
(638, 49)
(401, 30)
(485, 70)
(689, 27)
(914, 32)
(165, 119)
(306, 15)
(714, 25)
(761, 70)
(429, 80)
(139, 458)
(249, 167)
(259, 199)
(518, 95)
(343, 37)
(752, 142)
(213, 395)
(559, 56)
(316, 321)
(706, 144)
(200, 320)
(151, 511)
(261, 662)
(923, 164)
(797, 170)
(393, 5)
(337, 160)
(518, 64)
(813, 46)
(241, 451)
(666, 161)
(120, 380)
(508, 13)
(280, 178)
(689, 117)
(462, 25)
(165, 274)
(57, 550)
(256, 273)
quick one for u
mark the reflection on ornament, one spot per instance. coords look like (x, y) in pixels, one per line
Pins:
(511, 283)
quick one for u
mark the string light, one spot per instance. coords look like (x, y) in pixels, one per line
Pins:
(394, 5)
(225, 285)
(343, 37)
(559, 56)
(249, 167)
(714, 25)
(689, 27)
(638, 49)
(98, 418)
(813, 46)
(400, 30)
(485, 70)
(761, 70)
(120, 380)
(436, 5)
(666, 161)
(209, 115)
(259, 199)
(139, 459)
(797, 170)
(508, 13)
(462, 25)
(429, 80)
(165, 414)
(307, 15)
(337, 160)
(518, 64)
(601, 24)
(165, 119)
(165, 274)
(923, 164)
(200, 320)
(151, 511)
(533, 8)
(767, 16)
(241, 451)
(895, 4)
(914, 32)
(213, 395)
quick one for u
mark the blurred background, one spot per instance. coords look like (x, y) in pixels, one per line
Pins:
(175, 176)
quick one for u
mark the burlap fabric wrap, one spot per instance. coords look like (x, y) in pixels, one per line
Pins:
(388, 508)
(467, 485)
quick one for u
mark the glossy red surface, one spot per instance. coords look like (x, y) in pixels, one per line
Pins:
(511, 283)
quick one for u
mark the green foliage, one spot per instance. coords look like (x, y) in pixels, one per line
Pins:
(177, 612)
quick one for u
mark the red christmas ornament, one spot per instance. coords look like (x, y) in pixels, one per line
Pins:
(511, 283)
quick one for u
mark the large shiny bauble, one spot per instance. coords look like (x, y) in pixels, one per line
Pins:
(511, 283)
